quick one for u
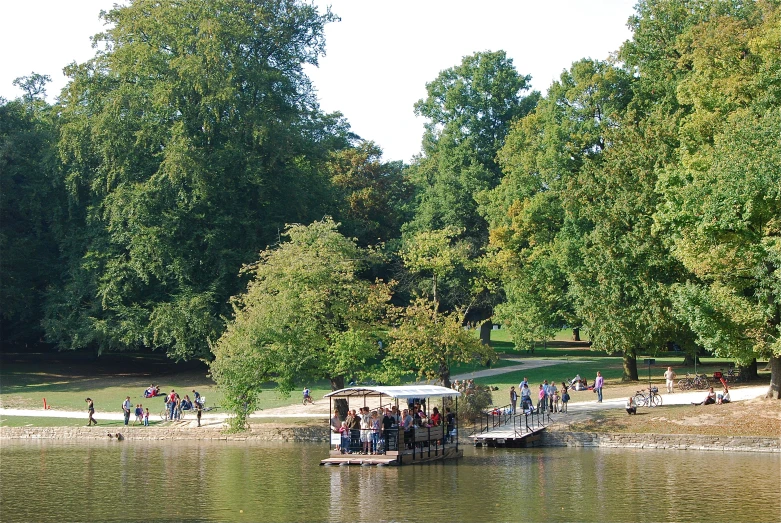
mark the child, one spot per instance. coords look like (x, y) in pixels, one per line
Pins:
(564, 400)
(139, 413)
(555, 400)
(345, 432)
(146, 418)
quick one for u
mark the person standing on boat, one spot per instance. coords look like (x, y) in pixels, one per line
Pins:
(450, 422)
(388, 424)
(598, 384)
(513, 398)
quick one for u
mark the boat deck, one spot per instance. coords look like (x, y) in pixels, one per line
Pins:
(358, 459)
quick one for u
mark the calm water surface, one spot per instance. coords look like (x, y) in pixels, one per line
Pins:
(209, 481)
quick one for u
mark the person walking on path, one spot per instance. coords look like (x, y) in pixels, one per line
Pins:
(513, 398)
(90, 412)
(598, 383)
(126, 406)
(669, 376)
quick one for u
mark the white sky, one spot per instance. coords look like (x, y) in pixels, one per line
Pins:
(379, 57)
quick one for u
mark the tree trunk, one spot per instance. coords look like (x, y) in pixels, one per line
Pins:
(340, 404)
(773, 391)
(485, 332)
(688, 359)
(444, 374)
(576, 334)
(630, 366)
(749, 372)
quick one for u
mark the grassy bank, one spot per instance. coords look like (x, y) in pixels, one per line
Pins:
(757, 417)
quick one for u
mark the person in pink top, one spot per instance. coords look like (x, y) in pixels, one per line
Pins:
(598, 383)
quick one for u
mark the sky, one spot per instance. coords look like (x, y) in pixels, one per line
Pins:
(379, 56)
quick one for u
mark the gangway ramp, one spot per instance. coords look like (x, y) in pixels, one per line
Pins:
(511, 430)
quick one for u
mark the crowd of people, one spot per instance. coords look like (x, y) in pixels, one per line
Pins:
(374, 431)
(174, 406)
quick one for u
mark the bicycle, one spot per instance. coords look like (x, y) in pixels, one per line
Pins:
(180, 413)
(699, 381)
(652, 399)
(308, 400)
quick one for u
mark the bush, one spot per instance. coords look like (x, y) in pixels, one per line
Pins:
(473, 402)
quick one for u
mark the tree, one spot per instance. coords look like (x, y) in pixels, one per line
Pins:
(542, 159)
(721, 202)
(306, 315)
(188, 141)
(435, 254)
(470, 108)
(426, 342)
(32, 210)
(373, 195)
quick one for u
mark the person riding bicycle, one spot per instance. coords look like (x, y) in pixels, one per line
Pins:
(307, 395)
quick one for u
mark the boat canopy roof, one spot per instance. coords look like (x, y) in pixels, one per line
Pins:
(403, 391)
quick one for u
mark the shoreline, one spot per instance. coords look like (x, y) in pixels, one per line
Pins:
(312, 434)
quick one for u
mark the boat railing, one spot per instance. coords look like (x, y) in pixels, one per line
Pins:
(356, 441)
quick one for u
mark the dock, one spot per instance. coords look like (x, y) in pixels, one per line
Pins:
(511, 430)
(509, 438)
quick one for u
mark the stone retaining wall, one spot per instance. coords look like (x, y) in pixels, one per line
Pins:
(553, 438)
(550, 438)
(166, 433)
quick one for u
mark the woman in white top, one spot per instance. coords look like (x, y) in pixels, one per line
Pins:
(723, 398)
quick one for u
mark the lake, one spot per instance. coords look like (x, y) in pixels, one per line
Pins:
(258, 482)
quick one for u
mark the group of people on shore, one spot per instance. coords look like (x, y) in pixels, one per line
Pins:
(549, 396)
(174, 405)
(369, 431)
(464, 387)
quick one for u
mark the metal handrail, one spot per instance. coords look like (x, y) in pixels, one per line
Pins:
(526, 421)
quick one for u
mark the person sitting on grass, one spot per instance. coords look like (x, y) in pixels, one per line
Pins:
(631, 406)
(724, 397)
(710, 399)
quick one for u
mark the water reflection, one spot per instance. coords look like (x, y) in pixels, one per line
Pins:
(201, 481)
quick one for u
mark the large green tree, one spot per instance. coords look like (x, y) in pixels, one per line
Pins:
(306, 315)
(188, 141)
(530, 211)
(32, 210)
(372, 196)
(721, 202)
(426, 342)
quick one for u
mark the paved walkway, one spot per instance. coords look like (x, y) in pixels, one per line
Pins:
(530, 363)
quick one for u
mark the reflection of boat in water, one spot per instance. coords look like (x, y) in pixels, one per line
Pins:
(390, 444)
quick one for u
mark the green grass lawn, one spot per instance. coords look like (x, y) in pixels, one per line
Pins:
(44, 421)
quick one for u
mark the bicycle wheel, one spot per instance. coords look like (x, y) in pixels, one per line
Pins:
(684, 384)
(656, 400)
(705, 383)
(640, 400)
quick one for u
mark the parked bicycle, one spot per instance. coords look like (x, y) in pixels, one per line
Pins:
(698, 381)
(732, 375)
(652, 399)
